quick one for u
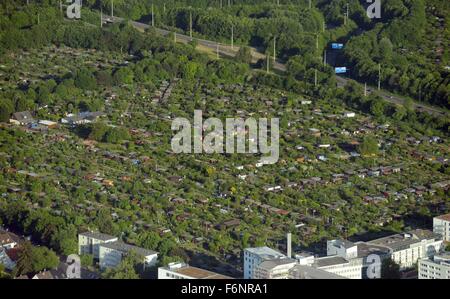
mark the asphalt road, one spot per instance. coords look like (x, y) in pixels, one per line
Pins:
(227, 50)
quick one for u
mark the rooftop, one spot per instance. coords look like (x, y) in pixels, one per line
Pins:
(270, 264)
(404, 240)
(265, 252)
(195, 273)
(98, 236)
(365, 250)
(123, 247)
(329, 261)
(307, 272)
(5, 238)
(345, 243)
(445, 217)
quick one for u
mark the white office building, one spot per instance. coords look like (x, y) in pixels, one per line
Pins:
(348, 268)
(407, 248)
(437, 267)
(278, 268)
(89, 242)
(184, 271)
(441, 226)
(343, 248)
(307, 272)
(112, 253)
(255, 256)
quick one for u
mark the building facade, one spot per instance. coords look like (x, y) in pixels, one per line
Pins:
(184, 271)
(274, 269)
(89, 243)
(407, 248)
(348, 268)
(112, 253)
(255, 256)
(441, 226)
(437, 267)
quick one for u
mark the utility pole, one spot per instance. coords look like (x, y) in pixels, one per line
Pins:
(232, 37)
(274, 49)
(112, 8)
(153, 16)
(346, 16)
(420, 92)
(379, 76)
(190, 24)
(315, 77)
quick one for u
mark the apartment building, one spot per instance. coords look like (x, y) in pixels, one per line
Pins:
(184, 271)
(307, 272)
(407, 248)
(255, 256)
(112, 253)
(274, 269)
(348, 268)
(367, 254)
(89, 242)
(437, 267)
(441, 226)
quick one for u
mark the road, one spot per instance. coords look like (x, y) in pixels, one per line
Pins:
(394, 99)
(227, 50)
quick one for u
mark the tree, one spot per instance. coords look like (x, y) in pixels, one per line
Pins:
(6, 109)
(369, 146)
(127, 269)
(390, 269)
(24, 263)
(123, 75)
(244, 55)
(44, 258)
(3, 274)
(87, 260)
(85, 80)
(98, 131)
(377, 107)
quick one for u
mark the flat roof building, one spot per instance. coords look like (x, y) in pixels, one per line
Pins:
(112, 253)
(407, 248)
(88, 242)
(184, 271)
(437, 267)
(254, 256)
(441, 226)
(307, 272)
(274, 268)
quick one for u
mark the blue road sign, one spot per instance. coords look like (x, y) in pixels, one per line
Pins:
(337, 46)
(340, 70)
